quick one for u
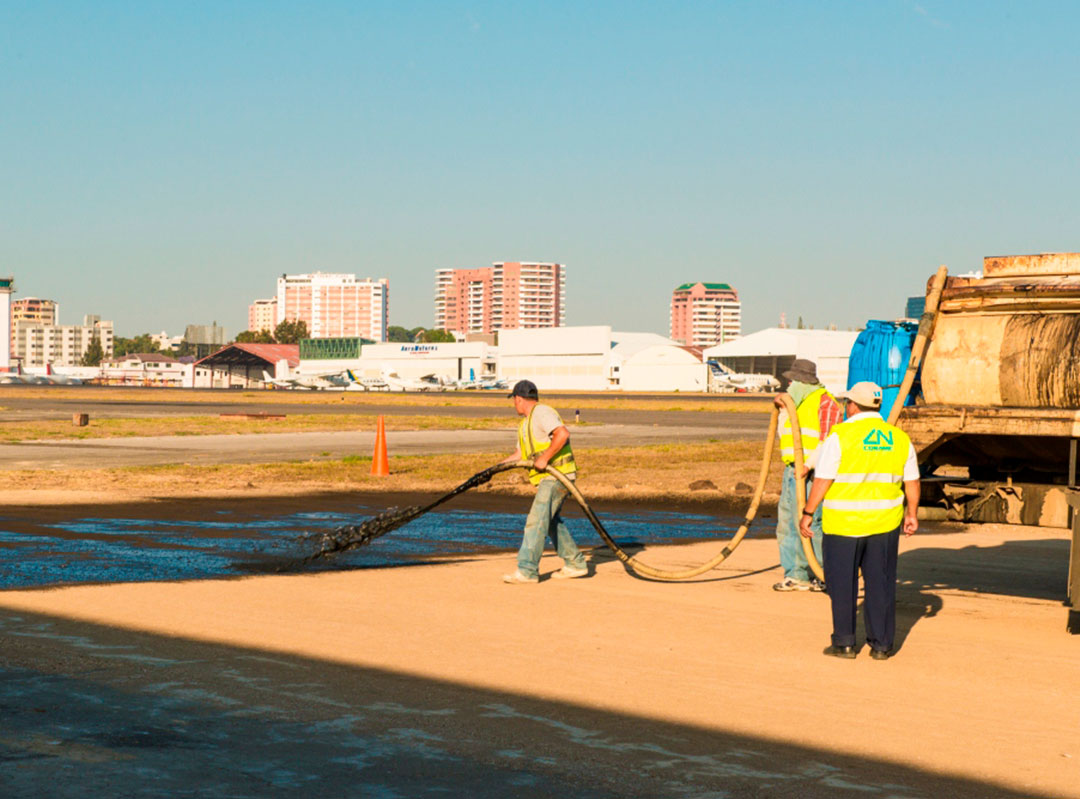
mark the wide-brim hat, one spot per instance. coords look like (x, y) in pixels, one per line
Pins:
(803, 371)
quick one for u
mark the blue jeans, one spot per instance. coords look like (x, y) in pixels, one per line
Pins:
(792, 557)
(544, 520)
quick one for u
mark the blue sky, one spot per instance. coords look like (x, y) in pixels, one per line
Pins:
(163, 163)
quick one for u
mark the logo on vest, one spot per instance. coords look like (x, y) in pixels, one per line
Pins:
(878, 439)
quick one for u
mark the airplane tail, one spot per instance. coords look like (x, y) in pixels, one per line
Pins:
(352, 377)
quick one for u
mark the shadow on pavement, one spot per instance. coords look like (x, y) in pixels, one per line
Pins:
(92, 710)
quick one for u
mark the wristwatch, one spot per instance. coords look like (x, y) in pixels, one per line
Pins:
(808, 513)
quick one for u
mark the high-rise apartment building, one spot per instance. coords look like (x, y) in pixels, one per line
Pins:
(262, 315)
(505, 296)
(60, 345)
(34, 310)
(334, 305)
(704, 314)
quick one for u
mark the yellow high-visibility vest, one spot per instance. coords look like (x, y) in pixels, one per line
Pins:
(809, 424)
(867, 495)
(563, 461)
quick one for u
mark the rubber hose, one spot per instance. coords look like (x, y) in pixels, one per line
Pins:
(645, 569)
(927, 323)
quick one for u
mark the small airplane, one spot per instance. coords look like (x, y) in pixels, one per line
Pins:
(399, 383)
(365, 383)
(313, 382)
(725, 379)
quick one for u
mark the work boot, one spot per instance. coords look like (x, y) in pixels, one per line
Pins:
(517, 578)
(570, 572)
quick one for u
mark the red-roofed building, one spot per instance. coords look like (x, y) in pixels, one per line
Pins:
(244, 365)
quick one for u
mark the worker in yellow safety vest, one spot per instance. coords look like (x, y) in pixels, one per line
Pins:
(866, 470)
(543, 439)
(817, 412)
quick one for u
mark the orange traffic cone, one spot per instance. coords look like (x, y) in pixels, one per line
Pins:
(380, 463)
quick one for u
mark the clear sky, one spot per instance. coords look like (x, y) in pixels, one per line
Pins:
(163, 163)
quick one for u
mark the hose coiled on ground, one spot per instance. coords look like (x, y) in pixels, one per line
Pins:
(644, 569)
(353, 536)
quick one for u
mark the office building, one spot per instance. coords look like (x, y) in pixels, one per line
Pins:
(335, 305)
(509, 295)
(704, 314)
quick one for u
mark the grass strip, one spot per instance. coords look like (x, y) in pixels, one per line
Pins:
(655, 471)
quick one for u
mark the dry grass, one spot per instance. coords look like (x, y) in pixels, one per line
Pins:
(627, 473)
(475, 399)
(214, 425)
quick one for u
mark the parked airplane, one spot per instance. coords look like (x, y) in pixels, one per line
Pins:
(399, 383)
(50, 378)
(314, 382)
(726, 379)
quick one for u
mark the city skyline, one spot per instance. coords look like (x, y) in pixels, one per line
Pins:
(171, 156)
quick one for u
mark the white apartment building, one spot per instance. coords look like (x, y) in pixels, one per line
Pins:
(335, 305)
(165, 342)
(59, 345)
(262, 315)
(508, 295)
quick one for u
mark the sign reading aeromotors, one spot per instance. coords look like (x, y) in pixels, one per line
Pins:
(419, 349)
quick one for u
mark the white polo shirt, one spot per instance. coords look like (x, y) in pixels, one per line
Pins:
(829, 460)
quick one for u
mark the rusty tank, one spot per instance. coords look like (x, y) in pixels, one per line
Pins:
(998, 421)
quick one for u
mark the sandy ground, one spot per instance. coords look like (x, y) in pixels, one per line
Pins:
(980, 700)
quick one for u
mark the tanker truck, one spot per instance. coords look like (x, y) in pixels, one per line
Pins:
(997, 425)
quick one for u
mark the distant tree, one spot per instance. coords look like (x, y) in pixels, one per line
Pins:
(435, 337)
(800, 326)
(396, 333)
(290, 332)
(94, 353)
(140, 343)
(255, 337)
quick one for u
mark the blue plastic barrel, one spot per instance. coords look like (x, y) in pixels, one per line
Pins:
(881, 354)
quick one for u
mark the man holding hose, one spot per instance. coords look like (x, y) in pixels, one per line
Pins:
(544, 439)
(817, 412)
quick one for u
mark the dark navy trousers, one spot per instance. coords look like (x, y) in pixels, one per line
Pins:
(876, 556)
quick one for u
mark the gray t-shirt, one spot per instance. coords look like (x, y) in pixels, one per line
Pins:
(545, 420)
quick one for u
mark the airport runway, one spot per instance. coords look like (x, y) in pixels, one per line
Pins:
(18, 404)
(274, 447)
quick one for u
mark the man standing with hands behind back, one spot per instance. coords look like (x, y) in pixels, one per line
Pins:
(543, 438)
(867, 468)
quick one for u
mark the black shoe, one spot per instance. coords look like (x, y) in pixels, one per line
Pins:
(880, 654)
(839, 651)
